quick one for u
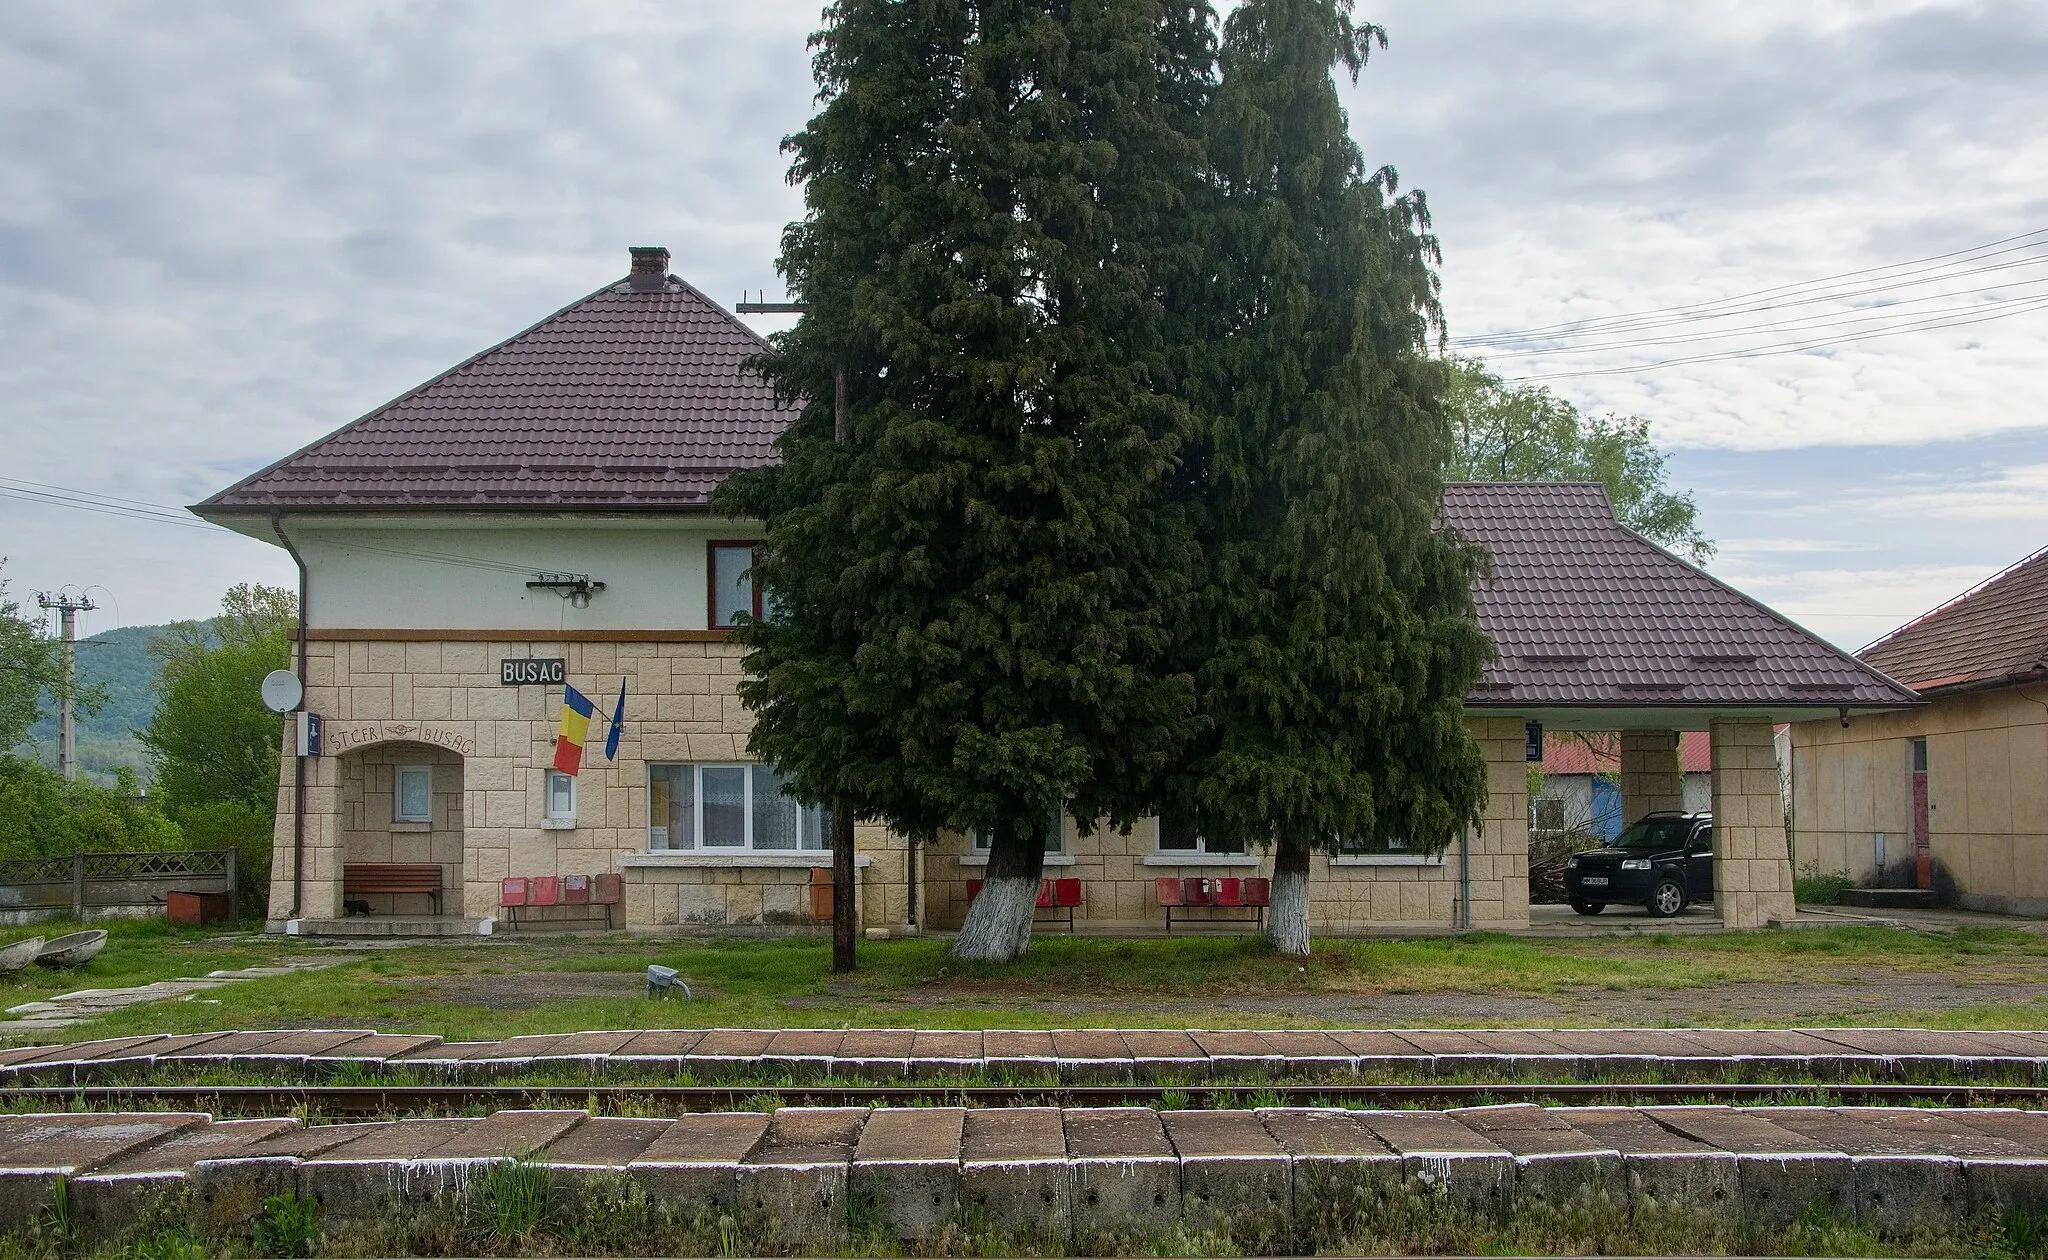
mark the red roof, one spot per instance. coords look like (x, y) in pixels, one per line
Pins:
(1586, 613)
(1993, 633)
(623, 400)
(1567, 752)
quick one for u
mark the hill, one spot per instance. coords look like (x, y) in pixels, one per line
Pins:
(106, 739)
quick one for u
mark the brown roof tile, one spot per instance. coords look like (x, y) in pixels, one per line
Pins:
(621, 401)
(1586, 613)
(1995, 632)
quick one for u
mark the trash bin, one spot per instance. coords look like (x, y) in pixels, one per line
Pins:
(821, 894)
(194, 908)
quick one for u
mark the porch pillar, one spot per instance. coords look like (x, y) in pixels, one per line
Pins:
(1752, 862)
(1651, 779)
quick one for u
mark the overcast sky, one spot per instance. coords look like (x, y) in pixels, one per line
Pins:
(227, 229)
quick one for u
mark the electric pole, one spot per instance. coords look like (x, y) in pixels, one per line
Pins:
(68, 609)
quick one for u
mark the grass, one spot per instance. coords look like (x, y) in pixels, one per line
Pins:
(485, 989)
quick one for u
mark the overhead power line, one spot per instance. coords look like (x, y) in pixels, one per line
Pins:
(2034, 239)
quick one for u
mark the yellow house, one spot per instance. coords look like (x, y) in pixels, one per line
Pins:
(538, 518)
(1949, 798)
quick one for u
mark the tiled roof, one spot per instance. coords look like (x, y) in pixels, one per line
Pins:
(1996, 632)
(1586, 613)
(625, 400)
(1565, 753)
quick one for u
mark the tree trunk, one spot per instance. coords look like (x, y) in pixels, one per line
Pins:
(998, 926)
(843, 925)
(1287, 918)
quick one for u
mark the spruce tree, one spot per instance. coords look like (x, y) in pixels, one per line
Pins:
(978, 590)
(1338, 639)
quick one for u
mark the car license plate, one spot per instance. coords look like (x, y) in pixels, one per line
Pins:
(1593, 881)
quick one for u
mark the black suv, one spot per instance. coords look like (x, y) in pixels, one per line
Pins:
(1664, 863)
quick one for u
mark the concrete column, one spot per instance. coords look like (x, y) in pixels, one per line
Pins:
(1651, 778)
(1752, 862)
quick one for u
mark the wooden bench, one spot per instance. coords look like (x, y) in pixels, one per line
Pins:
(398, 878)
(598, 892)
(1198, 893)
(1053, 894)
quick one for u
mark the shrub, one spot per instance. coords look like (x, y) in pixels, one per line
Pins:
(1813, 887)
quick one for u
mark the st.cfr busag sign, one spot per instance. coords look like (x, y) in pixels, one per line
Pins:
(348, 737)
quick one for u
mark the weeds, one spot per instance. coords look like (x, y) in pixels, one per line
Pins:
(289, 1227)
(516, 1192)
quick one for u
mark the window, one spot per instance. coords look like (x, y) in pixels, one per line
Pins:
(561, 795)
(1178, 835)
(1919, 747)
(732, 583)
(1055, 834)
(1546, 815)
(1373, 846)
(730, 809)
(412, 795)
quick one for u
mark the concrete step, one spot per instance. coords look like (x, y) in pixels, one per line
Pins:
(1889, 898)
(390, 925)
(797, 1176)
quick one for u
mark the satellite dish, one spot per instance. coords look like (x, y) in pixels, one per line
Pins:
(282, 691)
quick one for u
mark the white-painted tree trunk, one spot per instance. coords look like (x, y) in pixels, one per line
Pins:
(1287, 917)
(998, 925)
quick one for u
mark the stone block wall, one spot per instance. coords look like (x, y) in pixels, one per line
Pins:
(1117, 870)
(1752, 859)
(1652, 779)
(682, 706)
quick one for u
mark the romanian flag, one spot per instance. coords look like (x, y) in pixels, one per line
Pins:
(576, 711)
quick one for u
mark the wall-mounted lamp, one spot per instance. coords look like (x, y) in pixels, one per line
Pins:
(577, 588)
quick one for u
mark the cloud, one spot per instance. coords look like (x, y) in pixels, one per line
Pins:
(229, 228)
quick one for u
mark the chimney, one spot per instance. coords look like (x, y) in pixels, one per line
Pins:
(650, 269)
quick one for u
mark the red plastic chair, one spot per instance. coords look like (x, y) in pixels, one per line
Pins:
(512, 895)
(1230, 893)
(973, 889)
(545, 890)
(575, 890)
(1066, 892)
(1258, 894)
(608, 891)
(1195, 892)
(1044, 901)
(1166, 890)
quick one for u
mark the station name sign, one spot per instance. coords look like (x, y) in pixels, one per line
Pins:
(531, 670)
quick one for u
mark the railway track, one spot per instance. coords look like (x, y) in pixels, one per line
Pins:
(403, 1100)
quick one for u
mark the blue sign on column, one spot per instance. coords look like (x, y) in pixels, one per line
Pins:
(1533, 732)
(309, 734)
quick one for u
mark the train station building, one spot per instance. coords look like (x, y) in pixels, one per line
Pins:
(539, 516)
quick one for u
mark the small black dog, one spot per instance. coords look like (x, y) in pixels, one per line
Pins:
(355, 906)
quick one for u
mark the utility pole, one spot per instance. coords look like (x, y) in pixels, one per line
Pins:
(68, 609)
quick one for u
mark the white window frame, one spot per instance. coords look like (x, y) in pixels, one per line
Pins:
(1200, 853)
(1058, 834)
(1395, 853)
(697, 845)
(548, 783)
(398, 813)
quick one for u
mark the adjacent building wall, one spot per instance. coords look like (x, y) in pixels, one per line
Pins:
(1987, 779)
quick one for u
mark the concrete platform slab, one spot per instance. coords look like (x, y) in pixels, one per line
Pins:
(1235, 1179)
(1013, 1171)
(1020, 1053)
(945, 1053)
(661, 1049)
(793, 1187)
(1781, 1173)
(803, 1049)
(906, 1168)
(1091, 1054)
(1342, 1172)
(1165, 1055)
(1311, 1054)
(1556, 1165)
(874, 1053)
(693, 1164)
(361, 1180)
(1445, 1161)
(227, 1194)
(1665, 1171)
(1239, 1053)
(1901, 1178)
(112, 1198)
(1126, 1177)
(727, 1051)
(35, 1150)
